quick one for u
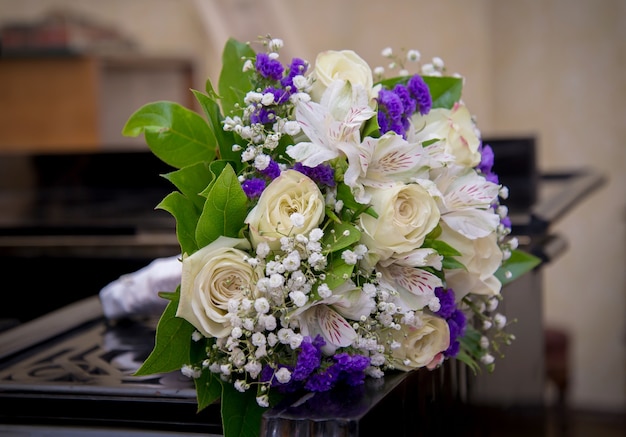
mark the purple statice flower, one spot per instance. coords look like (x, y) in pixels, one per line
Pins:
(267, 374)
(253, 187)
(390, 111)
(485, 166)
(280, 95)
(446, 300)
(420, 92)
(263, 115)
(454, 317)
(352, 367)
(272, 171)
(408, 103)
(322, 174)
(323, 380)
(506, 222)
(297, 67)
(456, 323)
(268, 67)
(309, 358)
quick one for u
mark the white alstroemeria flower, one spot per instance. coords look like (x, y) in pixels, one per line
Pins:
(329, 316)
(379, 162)
(412, 288)
(334, 328)
(466, 201)
(425, 257)
(453, 126)
(325, 131)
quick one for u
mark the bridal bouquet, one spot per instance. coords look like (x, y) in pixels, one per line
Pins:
(334, 225)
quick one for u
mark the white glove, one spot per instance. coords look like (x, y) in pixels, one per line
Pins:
(136, 294)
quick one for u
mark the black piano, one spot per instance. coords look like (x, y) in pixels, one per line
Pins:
(72, 223)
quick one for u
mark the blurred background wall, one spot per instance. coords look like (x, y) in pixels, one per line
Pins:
(551, 68)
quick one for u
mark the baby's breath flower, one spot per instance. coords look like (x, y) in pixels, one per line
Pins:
(283, 375)
(190, 372)
(298, 298)
(387, 52)
(261, 305)
(487, 359)
(297, 219)
(324, 291)
(263, 401)
(499, 320)
(241, 385)
(413, 55)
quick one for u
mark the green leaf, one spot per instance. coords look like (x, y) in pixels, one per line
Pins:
(224, 139)
(442, 248)
(335, 239)
(241, 414)
(208, 389)
(176, 135)
(450, 263)
(337, 272)
(191, 181)
(224, 210)
(517, 265)
(234, 82)
(187, 216)
(345, 195)
(445, 90)
(171, 347)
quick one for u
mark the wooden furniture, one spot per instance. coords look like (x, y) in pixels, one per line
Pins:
(62, 103)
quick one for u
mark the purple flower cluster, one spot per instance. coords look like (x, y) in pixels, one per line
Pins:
(269, 67)
(454, 317)
(253, 187)
(312, 374)
(280, 84)
(297, 67)
(322, 174)
(346, 368)
(397, 106)
(485, 166)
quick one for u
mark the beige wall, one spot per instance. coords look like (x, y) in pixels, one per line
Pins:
(553, 68)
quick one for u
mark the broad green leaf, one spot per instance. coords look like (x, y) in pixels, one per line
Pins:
(241, 415)
(339, 236)
(171, 347)
(442, 248)
(208, 389)
(224, 210)
(517, 265)
(337, 272)
(234, 82)
(191, 181)
(345, 195)
(445, 91)
(176, 135)
(224, 140)
(371, 128)
(186, 215)
(449, 263)
(470, 348)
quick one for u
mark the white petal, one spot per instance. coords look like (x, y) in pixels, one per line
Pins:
(472, 223)
(335, 328)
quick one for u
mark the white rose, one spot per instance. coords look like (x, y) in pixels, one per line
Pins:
(419, 346)
(344, 65)
(406, 214)
(211, 277)
(481, 258)
(291, 192)
(453, 126)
